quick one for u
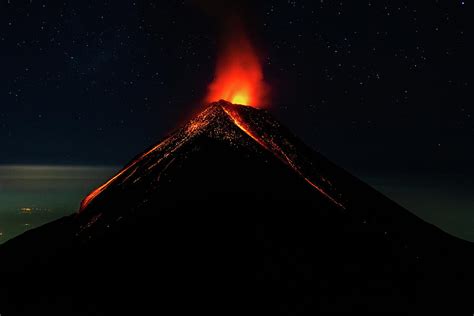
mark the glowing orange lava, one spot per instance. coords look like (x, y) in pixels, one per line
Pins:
(271, 146)
(232, 112)
(239, 76)
(104, 186)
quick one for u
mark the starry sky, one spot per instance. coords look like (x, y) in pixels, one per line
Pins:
(379, 85)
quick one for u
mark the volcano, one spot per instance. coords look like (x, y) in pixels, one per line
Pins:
(234, 214)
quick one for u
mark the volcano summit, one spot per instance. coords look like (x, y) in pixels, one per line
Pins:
(233, 214)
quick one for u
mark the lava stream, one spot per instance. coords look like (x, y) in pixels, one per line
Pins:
(275, 149)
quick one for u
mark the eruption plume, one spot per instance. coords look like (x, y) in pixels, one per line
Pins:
(239, 76)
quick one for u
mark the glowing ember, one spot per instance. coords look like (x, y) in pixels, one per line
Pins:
(232, 112)
(271, 146)
(239, 76)
(100, 189)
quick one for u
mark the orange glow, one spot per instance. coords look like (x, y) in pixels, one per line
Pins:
(233, 113)
(271, 146)
(240, 123)
(104, 186)
(239, 76)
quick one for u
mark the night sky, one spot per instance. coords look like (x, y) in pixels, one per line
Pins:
(368, 83)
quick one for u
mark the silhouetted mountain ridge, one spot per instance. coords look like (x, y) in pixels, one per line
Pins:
(229, 214)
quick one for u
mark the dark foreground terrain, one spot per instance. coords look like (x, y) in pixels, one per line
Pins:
(233, 215)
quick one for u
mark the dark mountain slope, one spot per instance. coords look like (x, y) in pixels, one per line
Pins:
(233, 214)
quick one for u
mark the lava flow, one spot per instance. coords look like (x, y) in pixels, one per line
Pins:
(250, 121)
(274, 148)
(104, 186)
(239, 76)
